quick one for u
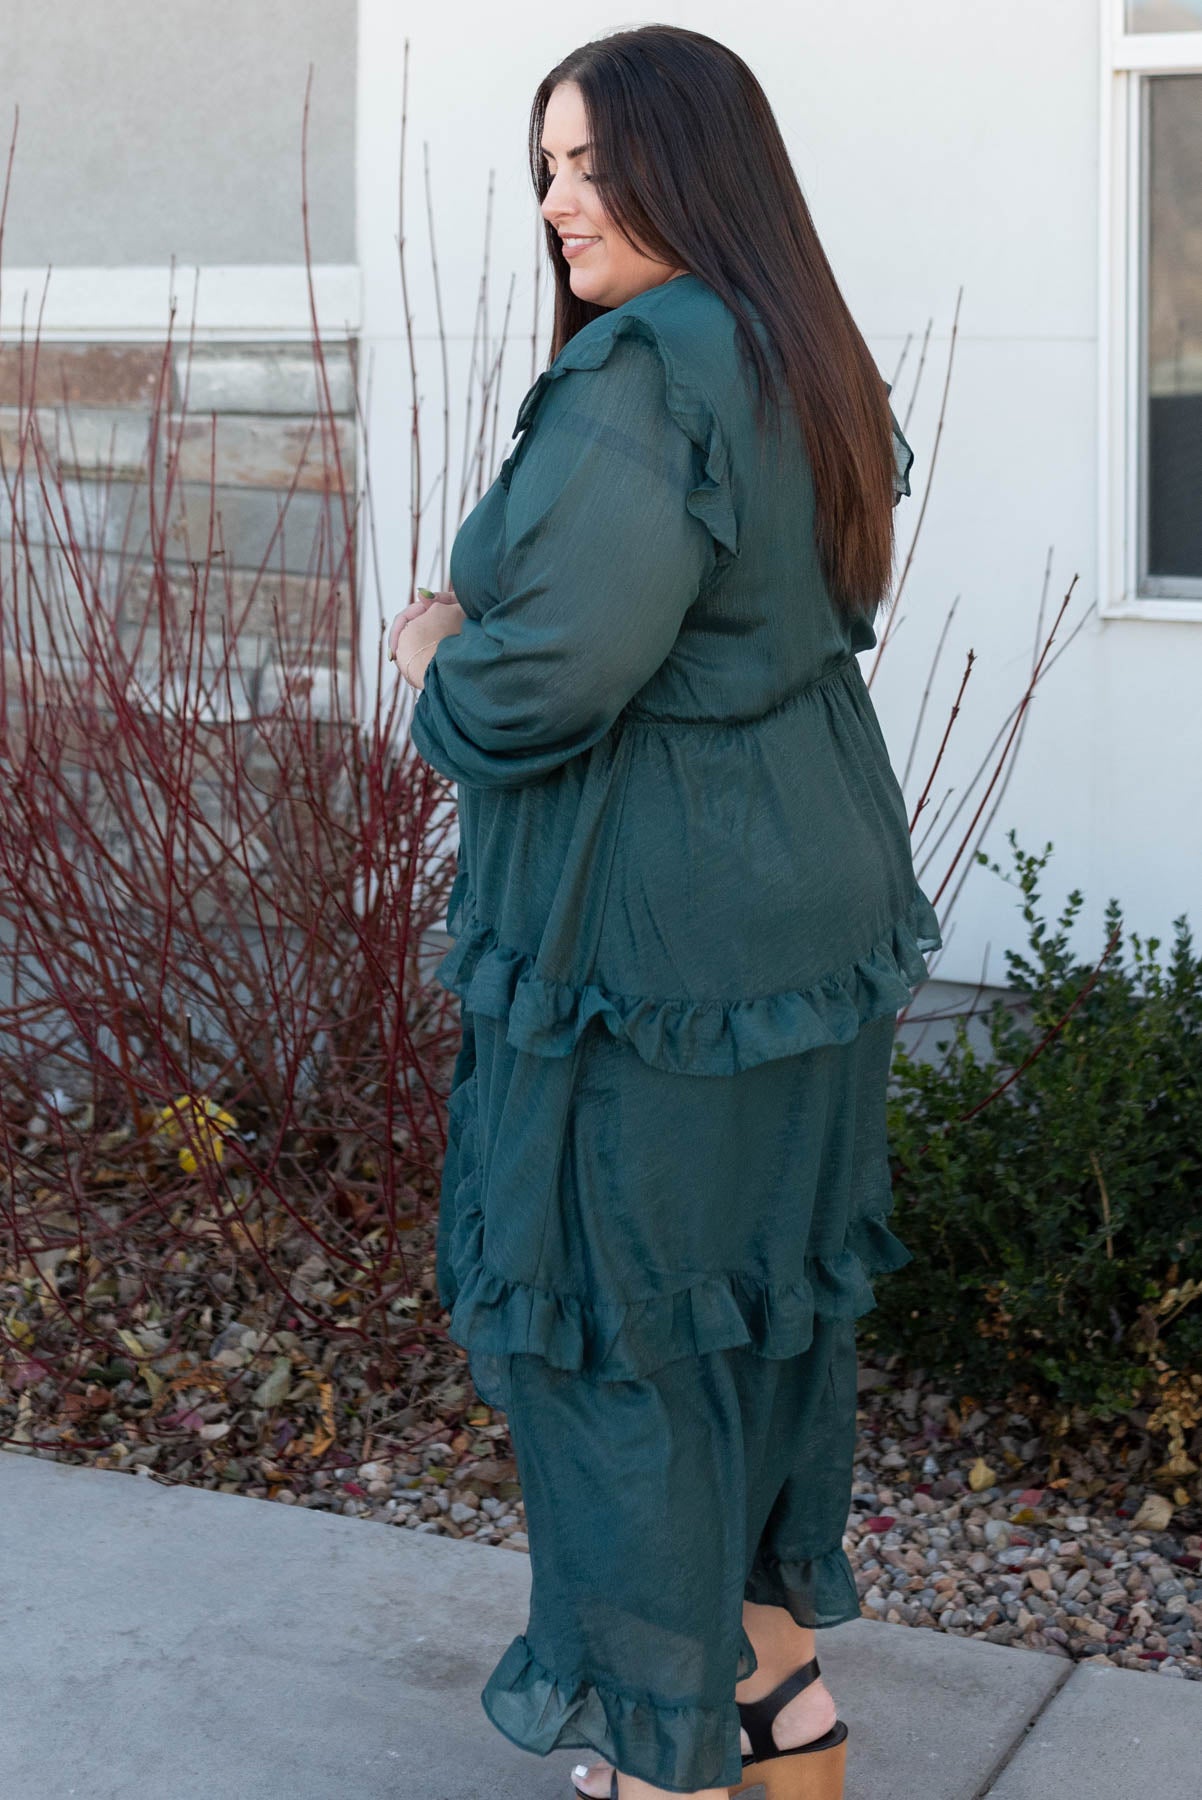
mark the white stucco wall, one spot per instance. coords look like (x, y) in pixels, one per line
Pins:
(158, 128)
(944, 151)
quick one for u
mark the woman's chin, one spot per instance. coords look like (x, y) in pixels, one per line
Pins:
(587, 286)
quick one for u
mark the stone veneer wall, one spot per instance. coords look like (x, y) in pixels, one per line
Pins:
(94, 409)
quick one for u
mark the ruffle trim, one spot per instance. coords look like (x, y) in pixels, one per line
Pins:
(710, 501)
(683, 1748)
(903, 456)
(678, 1747)
(816, 1590)
(610, 1340)
(494, 1317)
(546, 1017)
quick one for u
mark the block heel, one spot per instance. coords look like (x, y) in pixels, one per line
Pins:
(812, 1771)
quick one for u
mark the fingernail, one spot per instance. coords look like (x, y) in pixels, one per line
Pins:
(426, 593)
(580, 1769)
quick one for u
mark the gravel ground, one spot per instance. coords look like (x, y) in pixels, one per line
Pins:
(965, 1518)
(1016, 1567)
(1029, 1566)
(932, 1545)
(1012, 1565)
(971, 1521)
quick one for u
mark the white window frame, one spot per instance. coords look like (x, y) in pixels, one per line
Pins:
(1123, 219)
(129, 304)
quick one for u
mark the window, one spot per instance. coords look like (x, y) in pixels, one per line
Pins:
(1172, 336)
(1164, 15)
(1152, 336)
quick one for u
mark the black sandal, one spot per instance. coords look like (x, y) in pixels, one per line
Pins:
(812, 1771)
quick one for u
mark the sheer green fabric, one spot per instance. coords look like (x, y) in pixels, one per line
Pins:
(685, 916)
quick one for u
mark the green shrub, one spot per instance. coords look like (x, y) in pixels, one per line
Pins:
(1057, 1231)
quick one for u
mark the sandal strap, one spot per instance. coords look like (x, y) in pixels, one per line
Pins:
(756, 1716)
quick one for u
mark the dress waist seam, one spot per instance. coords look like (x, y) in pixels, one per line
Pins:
(632, 716)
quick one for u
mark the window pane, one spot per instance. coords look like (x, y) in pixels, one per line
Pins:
(1164, 15)
(1173, 312)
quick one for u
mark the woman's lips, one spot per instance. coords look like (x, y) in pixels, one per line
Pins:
(579, 249)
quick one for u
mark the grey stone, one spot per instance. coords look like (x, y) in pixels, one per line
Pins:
(264, 381)
(266, 452)
(1014, 1557)
(83, 437)
(97, 375)
(274, 1385)
(250, 530)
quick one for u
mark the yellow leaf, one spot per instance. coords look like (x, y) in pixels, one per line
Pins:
(323, 1434)
(132, 1342)
(154, 1382)
(201, 1123)
(326, 1390)
(981, 1475)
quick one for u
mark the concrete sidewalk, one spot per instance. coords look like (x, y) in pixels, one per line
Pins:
(175, 1642)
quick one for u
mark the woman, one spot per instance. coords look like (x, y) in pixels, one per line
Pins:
(685, 917)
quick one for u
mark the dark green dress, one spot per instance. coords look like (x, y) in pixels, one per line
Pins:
(685, 917)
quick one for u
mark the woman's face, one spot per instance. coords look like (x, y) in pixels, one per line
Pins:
(605, 270)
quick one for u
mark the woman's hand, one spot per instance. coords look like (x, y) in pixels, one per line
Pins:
(420, 627)
(426, 598)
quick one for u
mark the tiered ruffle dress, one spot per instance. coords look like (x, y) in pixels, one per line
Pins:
(685, 917)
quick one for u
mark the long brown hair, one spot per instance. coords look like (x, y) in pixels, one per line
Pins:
(690, 164)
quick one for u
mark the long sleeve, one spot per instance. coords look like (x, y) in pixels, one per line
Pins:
(600, 561)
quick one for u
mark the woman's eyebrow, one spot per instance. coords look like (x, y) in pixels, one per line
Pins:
(578, 151)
